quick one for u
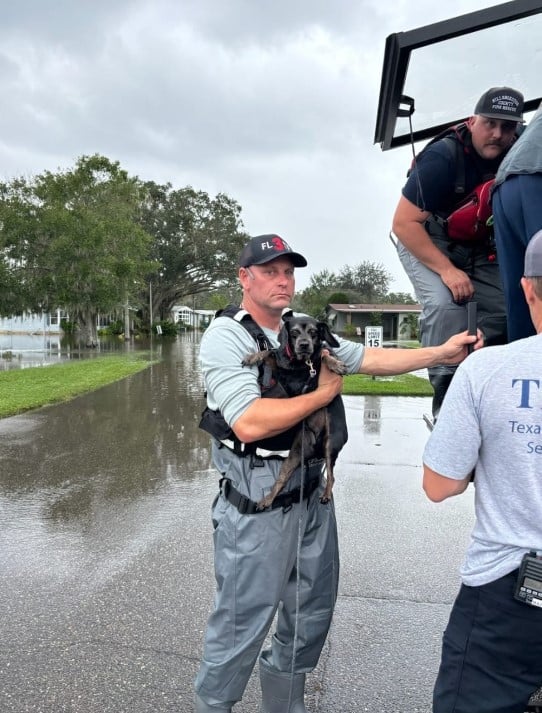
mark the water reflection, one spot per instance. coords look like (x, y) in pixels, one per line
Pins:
(372, 412)
(95, 476)
(19, 351)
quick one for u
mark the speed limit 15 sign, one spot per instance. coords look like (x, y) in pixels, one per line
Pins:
(373, 336)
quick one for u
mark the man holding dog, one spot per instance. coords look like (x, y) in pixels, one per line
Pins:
(283, 560)
(448, 267)
(491, 422)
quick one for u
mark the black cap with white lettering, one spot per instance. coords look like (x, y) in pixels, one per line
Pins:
(501, 103)
(264, 248)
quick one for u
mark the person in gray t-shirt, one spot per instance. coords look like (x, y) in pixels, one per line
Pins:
(490, 425)
(281, 561)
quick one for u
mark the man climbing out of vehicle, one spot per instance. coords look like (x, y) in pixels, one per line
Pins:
(445, 242)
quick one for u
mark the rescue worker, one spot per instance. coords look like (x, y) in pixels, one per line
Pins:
(491, 659)
(448, 272)
(283, 560)
(517, 211)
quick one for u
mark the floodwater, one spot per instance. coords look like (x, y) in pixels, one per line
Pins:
(87, 480)
(19, 351)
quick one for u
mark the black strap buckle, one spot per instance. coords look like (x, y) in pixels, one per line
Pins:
(242, 503)
(245, 506)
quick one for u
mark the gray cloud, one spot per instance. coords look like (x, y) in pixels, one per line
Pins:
(273, 103)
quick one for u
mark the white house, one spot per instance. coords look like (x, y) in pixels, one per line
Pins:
(360, 315)
(27, 323)
(195, 318)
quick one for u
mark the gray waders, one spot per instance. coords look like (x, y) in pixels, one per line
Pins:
(282, 562)
(280, 689)
(202, 707)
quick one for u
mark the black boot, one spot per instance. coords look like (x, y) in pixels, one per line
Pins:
(440, 384)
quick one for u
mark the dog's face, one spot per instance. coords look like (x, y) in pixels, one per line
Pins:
(303, 336)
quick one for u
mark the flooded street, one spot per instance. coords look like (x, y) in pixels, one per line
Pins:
(89, 482)
(92, 495)
(106, 577)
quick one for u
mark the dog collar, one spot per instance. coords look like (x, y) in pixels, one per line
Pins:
(289, 353)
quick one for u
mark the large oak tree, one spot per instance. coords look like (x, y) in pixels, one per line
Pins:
(196, 241)
(72, 240)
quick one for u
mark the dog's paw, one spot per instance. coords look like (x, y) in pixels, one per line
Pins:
(251, 360)
(255, 358)
(342, 368)
(336, 365)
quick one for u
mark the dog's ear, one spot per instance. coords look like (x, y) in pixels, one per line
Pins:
(324, 332)
(284, 334)
(287, 315)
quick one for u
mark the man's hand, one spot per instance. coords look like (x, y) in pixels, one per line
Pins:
(458, 282)
(267, 417)
(455, 349)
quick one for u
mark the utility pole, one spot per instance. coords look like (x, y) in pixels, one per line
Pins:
(150, 306)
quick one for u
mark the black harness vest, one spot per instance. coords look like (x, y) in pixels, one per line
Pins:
(274, 383)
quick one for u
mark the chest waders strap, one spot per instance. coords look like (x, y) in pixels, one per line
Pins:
(246, 506)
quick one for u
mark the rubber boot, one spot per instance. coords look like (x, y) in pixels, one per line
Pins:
(440, 384)
(278, 688)
(202, 707)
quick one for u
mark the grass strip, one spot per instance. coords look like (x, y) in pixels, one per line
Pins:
(402, 385)
(25, 389)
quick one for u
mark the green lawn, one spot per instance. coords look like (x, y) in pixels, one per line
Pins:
(25, 389)
(403, 385)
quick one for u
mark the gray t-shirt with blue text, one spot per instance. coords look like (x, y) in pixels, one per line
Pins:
(491, 419)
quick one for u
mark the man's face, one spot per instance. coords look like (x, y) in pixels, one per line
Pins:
(490, 137)
(270, 286)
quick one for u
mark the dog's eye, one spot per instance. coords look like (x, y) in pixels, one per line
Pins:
(313, 332)
(295, 332)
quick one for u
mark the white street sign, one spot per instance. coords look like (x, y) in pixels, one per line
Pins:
(373, 336)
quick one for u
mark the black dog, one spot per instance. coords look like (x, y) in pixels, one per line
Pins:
(295, 365)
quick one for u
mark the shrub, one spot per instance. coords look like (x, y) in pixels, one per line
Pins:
(116, 327)
(349, 330)
(68, 327)
(168, 328)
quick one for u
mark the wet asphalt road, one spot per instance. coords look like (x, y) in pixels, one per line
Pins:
(106, 555)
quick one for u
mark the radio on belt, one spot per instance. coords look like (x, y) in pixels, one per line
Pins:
(529, 582)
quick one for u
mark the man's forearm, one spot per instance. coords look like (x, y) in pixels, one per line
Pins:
(417, 241)
(268, 417)
(438, 487)
(386, 362)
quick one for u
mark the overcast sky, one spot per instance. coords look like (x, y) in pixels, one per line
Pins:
(270, 101)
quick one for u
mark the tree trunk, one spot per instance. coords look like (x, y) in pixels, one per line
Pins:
(126, 322)
(88, 333)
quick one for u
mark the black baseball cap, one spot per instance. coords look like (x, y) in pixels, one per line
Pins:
(501, 103)
(263, 248)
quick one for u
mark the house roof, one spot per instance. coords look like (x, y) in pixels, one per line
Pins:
(375, 308)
